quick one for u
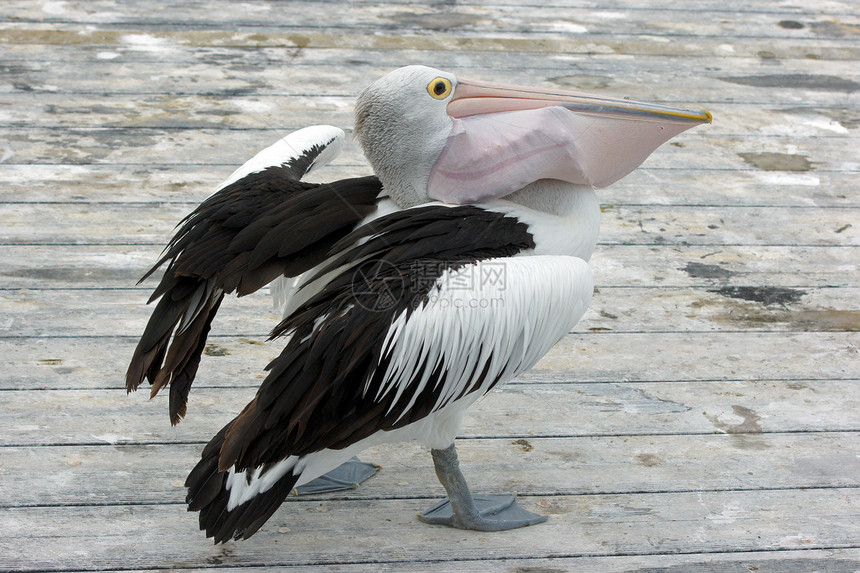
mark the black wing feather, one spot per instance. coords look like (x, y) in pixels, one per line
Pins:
(238, 240)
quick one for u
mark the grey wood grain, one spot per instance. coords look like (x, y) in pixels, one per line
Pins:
(644, 224)
(108, 416)
(707, 267)
(837, 560)
(237, 359)
(319, 533)
(110, 475)
(106, 313)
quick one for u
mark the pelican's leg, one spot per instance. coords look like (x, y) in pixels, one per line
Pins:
(481, 512)
(348, 475)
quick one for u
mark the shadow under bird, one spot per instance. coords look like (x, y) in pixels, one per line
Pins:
(409, 294)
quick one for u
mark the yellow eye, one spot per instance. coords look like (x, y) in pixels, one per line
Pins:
(440, 88)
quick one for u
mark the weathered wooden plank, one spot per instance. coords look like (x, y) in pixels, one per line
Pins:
(75, 363)
(25, 223)
(723, 266)
(76, 266)
(105, 313)
(465, 19)
(834, 33)
(83, 362)
(88, 12)
(116, 313)
(711, 267)
(622, 44)
(471, 27)
(108, 416)
(736, 188)
(311, 533)
(139, 474)
(313, 39)
(555, 23)
(596, 70)
(750, 225)
(714, 355)
(838, 560)
(270, 83)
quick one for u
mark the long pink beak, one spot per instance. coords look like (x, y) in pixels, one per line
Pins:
(505, 137)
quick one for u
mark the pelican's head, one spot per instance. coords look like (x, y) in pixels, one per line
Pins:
(432, 136)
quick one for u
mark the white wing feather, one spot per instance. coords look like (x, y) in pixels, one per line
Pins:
(503, 324)
(293, 146)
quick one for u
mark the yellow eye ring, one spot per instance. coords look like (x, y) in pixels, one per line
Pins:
(439, 88)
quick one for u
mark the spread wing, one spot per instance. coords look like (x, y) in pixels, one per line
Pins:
(262, 223)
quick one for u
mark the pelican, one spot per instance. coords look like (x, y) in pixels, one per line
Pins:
(410, 294)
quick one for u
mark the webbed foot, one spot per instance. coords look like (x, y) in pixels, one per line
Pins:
(462, 510)
(493, 513)
(346, 476)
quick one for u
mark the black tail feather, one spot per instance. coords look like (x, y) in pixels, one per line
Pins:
(165, 362)
(208, 494)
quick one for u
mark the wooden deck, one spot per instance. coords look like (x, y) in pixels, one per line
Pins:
(704, 416)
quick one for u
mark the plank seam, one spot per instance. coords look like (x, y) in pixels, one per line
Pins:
(539, 381)
(584, 333)
(462, 438)
(487, 559)
(417, 497)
